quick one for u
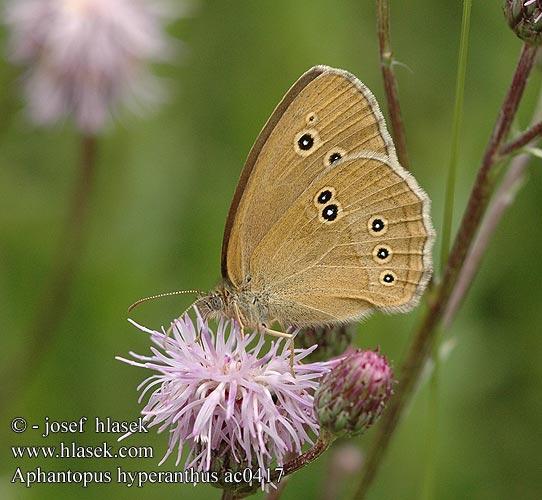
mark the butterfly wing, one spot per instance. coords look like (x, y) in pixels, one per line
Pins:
(327, 114)
(357, 239)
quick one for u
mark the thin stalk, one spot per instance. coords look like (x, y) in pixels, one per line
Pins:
(429, 486)
(512, 182)
(390, 82)
(456, 129)
(486, 178)
(54, 300)
(324, 442)
(430, 474)
(228, 495)
(533, 132)
(503, 198)
(275, 493)
(424, 340)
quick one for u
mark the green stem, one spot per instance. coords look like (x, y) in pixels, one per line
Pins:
(430, 475)
(424, 340)
(456, 129)
(53, 302)
(390, 83)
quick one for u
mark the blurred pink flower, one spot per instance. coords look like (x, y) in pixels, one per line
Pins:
(85, 57)
(229, 402)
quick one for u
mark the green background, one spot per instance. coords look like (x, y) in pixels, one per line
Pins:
(158, 208)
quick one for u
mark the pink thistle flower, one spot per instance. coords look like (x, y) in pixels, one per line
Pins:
(86, 57)
(224, 398)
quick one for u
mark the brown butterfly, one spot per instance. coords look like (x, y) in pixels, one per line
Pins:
(325, 225)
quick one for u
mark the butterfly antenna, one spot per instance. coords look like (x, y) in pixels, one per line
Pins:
(168, 332)
(160, 295)
(199, 299)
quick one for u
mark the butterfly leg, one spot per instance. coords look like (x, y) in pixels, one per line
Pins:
(283, 335)
(238, 318)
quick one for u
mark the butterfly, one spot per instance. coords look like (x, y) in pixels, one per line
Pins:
(325, 225)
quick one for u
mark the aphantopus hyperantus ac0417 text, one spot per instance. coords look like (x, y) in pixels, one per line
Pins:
(325, 225)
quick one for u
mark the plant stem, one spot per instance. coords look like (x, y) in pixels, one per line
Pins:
(325, 439)
(513, 181)
(390, 83)
(52, 304)
(324, 442)
(503, 198)
(485, 180)
(425, 337)
(228, 494)
(432, 437)
(524, 139)
(275, 493)
(456, 128)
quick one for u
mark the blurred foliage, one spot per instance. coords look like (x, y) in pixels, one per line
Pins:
(160, 202)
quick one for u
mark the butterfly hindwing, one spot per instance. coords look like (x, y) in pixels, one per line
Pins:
(355, 240)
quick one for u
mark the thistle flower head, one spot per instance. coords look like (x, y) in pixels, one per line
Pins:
(85, 57)
(525, 19)
(353, 396)
(224, 399)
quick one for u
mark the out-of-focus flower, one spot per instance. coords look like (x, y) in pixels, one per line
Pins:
(232, 405)
(86, 57)
(525, 18)
(344, 466)
(353, 396)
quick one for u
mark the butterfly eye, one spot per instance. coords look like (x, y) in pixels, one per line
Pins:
(216, 303)
(388, 278)
(377, 225)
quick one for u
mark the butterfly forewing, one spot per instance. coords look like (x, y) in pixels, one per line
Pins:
(327, 115)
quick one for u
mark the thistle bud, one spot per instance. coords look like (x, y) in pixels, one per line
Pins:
(525, 19)
(352, 396)
(331, 341)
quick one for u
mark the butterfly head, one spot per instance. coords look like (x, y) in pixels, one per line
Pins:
(215, 304)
